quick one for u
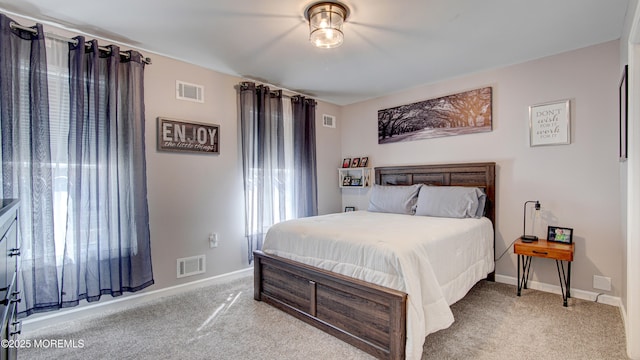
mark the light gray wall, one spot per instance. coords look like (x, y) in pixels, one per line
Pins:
(191, 195)
(631, 303)
(329, 150)
(578, 185)
(624, 60)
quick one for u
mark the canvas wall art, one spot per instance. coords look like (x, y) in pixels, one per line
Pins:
(463, 113)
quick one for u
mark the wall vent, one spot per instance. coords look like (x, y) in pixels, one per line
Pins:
(190, 92)
(328, 121)
(191, 266)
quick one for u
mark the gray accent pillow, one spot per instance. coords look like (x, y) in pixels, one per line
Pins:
(394, 199)
(451, 201)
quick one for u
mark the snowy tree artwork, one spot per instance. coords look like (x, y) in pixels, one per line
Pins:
(463, 113)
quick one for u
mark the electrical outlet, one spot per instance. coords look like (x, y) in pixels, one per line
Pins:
(213, 240)
(602, 282)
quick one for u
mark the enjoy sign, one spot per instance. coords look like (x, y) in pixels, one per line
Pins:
(174, 135)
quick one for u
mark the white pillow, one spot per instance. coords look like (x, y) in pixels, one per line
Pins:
(451, 201)
(396, 199)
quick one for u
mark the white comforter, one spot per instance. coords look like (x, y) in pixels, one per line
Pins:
(435, 261)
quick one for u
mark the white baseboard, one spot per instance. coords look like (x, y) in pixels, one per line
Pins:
(555, 289)
(38, 321)
(623, 313)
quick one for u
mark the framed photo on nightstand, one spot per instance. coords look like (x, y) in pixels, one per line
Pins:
(560, 234)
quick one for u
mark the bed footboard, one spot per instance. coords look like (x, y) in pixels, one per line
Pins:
(367, 316)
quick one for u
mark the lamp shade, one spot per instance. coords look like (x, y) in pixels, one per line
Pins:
(325, 24)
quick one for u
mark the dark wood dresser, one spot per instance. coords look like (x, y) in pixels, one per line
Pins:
(9, 293)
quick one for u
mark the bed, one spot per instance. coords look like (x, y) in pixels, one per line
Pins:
(377, 315)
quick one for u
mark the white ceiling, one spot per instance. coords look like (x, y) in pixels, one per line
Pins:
(389, 45)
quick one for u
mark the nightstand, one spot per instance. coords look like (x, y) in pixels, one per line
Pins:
(561, 253)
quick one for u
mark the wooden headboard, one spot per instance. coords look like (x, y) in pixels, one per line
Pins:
(480, 175)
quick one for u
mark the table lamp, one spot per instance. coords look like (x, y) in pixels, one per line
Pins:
(525, 237)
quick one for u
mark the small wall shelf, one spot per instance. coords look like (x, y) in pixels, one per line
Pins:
(354, 177)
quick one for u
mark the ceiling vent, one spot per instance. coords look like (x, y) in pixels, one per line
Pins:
(328, 121)
(189, 92)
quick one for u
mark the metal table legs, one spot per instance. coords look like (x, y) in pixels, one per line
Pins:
(524, 270)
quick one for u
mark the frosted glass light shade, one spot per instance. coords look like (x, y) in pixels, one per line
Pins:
(325, 24)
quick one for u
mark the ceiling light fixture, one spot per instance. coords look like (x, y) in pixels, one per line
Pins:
(325, 23)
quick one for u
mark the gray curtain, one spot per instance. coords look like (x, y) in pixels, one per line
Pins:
(262, 129)
(107, 245)
(278, 157)
(26, 159)
(304, 150)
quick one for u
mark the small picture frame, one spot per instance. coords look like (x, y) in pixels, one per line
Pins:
(355, 162)
(560, 234)
(364, 161)
(346, 162)
(349, 208)
(550, 123)
(355, 182)
(346, 181)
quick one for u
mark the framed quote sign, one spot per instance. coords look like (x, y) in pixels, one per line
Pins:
(181, 136)
(550, 123)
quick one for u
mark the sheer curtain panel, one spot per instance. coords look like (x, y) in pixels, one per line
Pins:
(304, 150)
(107, 244)
(278, 157)
(26, 159)
(263, 142)
(73, 150)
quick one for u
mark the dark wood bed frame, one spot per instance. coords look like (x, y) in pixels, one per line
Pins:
(367, 316)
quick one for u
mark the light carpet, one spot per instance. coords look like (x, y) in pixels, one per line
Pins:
(224, 322)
